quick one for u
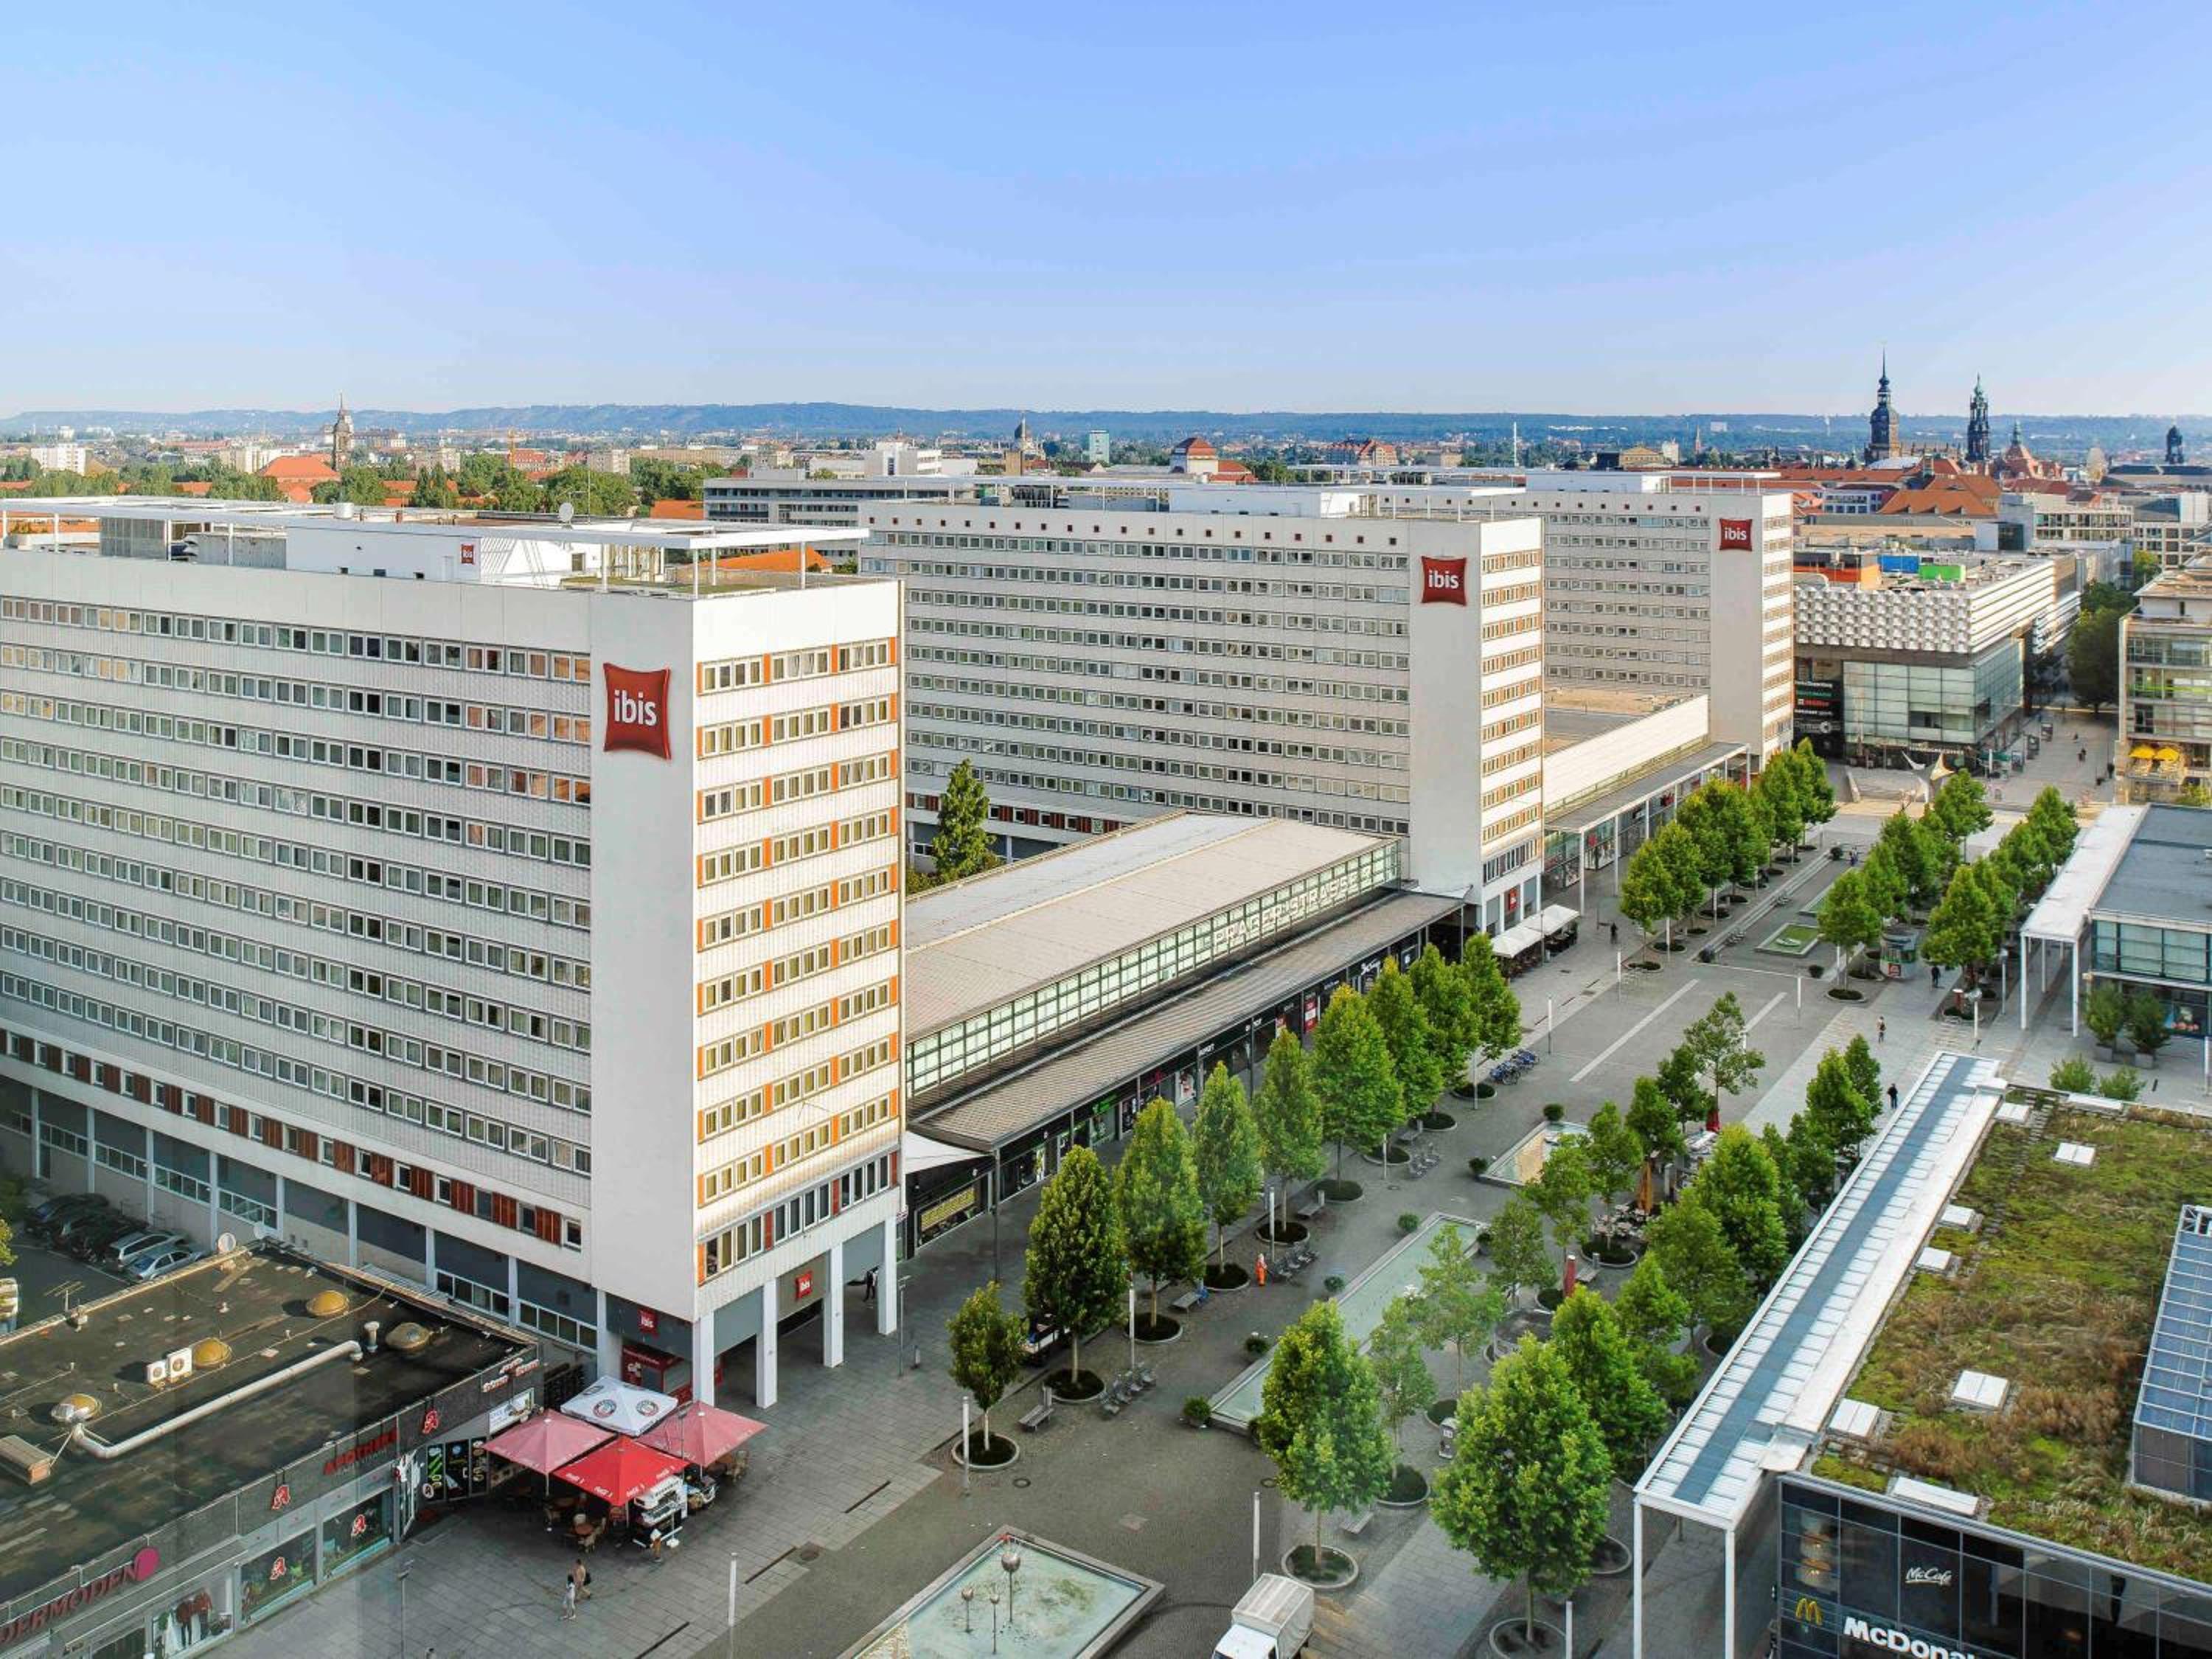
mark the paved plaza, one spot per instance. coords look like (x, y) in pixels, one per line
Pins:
(852, 1504)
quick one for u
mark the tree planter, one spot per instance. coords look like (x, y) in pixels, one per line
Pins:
(1713, 1346)
(1283, 1232)
(996, 1453)
(1328, 1570)
(1341, 1192)
(1440, 1409)
(1485, 1090)
(1227, 1277)
(1437, 1122)
(1409, 1489)
(1600, 1253)
(1845, 993)
(1511, 1639)
(1083, 1385)
(1157, 1333)
(1467, 1092)
(1398, 1154)
(1612, 1557)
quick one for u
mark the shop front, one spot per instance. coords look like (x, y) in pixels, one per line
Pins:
(1862, 1577)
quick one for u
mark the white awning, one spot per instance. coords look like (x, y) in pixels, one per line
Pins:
(919, 1152)
(1514, 940)
(2064, 910)
(1556, 916)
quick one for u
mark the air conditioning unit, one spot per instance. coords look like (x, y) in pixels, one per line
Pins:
(180, 1364)
(157, 1372)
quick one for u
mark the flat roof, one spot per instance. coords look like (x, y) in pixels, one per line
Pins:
(2079, 885)
(2057, 1294)
(2162, 872)
(1761, 1411)
(994, 1116)
(982, 942)
(255, 1300)
(1641, 786)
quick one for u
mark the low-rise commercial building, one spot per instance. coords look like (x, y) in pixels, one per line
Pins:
(2173, 528)
(187, 1456)
(2165, 743)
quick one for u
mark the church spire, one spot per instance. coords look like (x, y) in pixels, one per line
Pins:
(1978, 427)
(1882, 443)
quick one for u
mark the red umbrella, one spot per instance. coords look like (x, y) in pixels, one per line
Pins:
(546, 1442)
(700, 1433)
(620, 1470)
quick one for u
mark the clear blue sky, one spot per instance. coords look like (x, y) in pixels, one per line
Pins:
(1602, 207)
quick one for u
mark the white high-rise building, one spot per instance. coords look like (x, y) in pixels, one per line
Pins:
(494, 903)
(1103, 662)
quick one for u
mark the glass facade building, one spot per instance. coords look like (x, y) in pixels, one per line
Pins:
(1955, 702)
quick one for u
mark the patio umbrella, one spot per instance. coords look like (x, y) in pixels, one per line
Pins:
(700, 1433)
(619, 1470)
(546, 1442)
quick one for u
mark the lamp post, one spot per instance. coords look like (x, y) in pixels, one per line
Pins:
(403, 1571)
(968, 1609)
(1011, 1559)
(995, 1620)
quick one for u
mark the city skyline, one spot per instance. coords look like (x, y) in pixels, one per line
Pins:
(1468, 215)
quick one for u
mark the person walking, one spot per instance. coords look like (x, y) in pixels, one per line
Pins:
(1892, 1097)
(569, 1596)
(1880, 1030)
(580, 1576)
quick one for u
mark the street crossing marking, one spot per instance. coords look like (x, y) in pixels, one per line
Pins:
(1753, 1023)
(1609, 1050)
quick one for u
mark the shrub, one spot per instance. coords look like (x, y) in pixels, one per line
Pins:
(2126, 1083)
(1255, 1345)
(1553, 1112)
(2076, 1075)
(1333, 1284)
(1198, 1411)
(1475, 1166)
(1408, 1222)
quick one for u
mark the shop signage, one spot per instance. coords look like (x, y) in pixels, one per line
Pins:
(140, 1567)
(648, 1321)
(802, 1286)
(1939, 1577)
(945, 1209)
(431, 1421)
(1807, 1611)
(1890, 1638)
(281, 1499)
(1735, 533)
(368, 1448)
(637, 710)
(1443, 581)
(468, 552)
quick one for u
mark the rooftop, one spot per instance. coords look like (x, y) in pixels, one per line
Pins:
(2056, 1293)
(1576, 714)
(2162, 872)
(256, 1302)
(982, 942)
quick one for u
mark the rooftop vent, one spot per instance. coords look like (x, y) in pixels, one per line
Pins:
(2013, 1112)
(210, 1352)
(2074, 1152)
(327, 1305)
(1958, 1215)
(75, 1408)
(1855, 1420)
(1978, 1391)
(409, 1338)
(1933, 1497)
(28, 1463)
(1933, 1260)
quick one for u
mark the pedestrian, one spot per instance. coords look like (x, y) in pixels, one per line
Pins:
(568, 1597)
(1892, 1097)
(580, 1577)
(1259, 1268)
(868, 1289)
(1881, 1030)
(1935, 977)
(1616, 930)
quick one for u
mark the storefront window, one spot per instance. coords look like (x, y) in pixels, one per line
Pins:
(353, 1537)
(268, 1581)
(200, 1616)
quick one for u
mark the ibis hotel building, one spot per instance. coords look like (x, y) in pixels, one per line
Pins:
(508, 905)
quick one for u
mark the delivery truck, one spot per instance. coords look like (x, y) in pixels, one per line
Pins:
(1272, 1621)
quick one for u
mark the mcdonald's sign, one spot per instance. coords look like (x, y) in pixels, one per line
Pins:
(1806, 1612)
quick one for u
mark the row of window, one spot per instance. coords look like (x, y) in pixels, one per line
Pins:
(329, 642)
(1265, 713)
(730, 1245)
(528, 1023)
(1253, 650)
(749, 919)
(720, 1055)
(797, 1089)
(491, 955)
(497, 717)
(1077, 576)
(736, 737)
(1289, 621)
(1059, 668)
(300, 803)
(335, 1086)
(736, 673)
(1207, 550)
(718, 1184)
(724, 989)
(782, 790)
(1111, 761)
(1186, 737)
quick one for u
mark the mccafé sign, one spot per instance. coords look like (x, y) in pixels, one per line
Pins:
(1887, 1637)
(637, 710)
(1443, 581)
(139, 1568)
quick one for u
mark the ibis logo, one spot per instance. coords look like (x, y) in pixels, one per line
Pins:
(637, 710)
(1443, 581)
(1735, 533)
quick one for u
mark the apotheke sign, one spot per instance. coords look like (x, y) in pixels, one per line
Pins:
(1887, 1637)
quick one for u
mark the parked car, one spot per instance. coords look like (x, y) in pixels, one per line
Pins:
(154, 1263)
(74, 1225)
(90, 1241)
(139, 1243)
(45, 1217)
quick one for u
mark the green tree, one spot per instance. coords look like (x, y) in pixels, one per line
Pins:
(1717, 1041)
(1795, 1194)
(1562, 1192)
(1885, 889)
(1603, 1362)
(1741, 829)
(986, 1350)
(1077, 1267)
(1815, 796)
(1680, 1078)
(1808, 1163)
(2146, 1023)
(1287, 1114)
(1780, 788)
(1526, 1491)
(1963, 929)
(1225, 1150)
(1320, 1420)
(2050, 814)
(2092, 657)
(1658, 1131)
(1865, 1069)
(962, 845)
(594, 495)
(1712, 854)
(1353, 1076)
(1961, 809)
(1156, 1194)
(1740, 1186)
(1906, 841)
(1654, 1317)
(2105, 1012)
(1397, 1349)
(1518, 1260)
(2076, 1075)
(1448, 1002)
(1613, 1154)
(2123, 1083)
(1497, 1010)
(1693, 1254)
(1838, 1115)
(1412, 1044)
(1459, 1307)
(1849, 919)
(1661, 881)
(435, 488)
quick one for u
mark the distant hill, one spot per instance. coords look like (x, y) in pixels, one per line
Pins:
(643, 422)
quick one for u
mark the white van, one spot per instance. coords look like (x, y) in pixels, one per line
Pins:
(1273, 1620)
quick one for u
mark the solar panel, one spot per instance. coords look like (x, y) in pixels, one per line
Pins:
(2177, 1386)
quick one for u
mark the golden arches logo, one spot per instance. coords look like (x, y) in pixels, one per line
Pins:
(1806, 1612)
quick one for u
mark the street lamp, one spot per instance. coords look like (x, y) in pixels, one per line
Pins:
(1011, 1559)
(968, 1608)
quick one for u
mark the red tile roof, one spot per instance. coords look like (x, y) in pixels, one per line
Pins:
(674, 507)
(300, 469)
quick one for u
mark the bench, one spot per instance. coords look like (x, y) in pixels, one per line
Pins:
(1312, 1207)
(1352, 1525)
(1185, 1302)
(1039, 1415)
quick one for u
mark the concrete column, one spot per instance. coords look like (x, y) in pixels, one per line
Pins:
(833, 1306)
(609, 1347)
(38, 1145)
(280, 1207)
(1636, 1583)
(1728, 1591)
(887, 1295)
(702, 1358)
(215, 1188)
(353, 1234)
(514, 1290)
(764, 1349)
(430, 1257)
